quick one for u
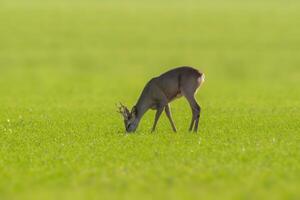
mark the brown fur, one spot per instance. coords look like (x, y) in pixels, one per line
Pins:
(161, 90)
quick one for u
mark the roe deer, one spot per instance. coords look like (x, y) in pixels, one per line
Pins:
(160, 91)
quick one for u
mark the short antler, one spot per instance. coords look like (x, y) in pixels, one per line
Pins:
(123, 110)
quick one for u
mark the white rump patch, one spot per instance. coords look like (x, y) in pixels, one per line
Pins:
(201, 79)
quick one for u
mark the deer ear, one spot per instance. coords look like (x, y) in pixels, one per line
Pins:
(134, 111)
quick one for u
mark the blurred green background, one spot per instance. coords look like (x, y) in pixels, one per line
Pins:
(64, 64)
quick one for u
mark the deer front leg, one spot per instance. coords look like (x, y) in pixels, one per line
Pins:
(157, 115)
(168, 113)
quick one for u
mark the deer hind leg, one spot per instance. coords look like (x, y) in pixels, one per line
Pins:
(192, 123)
(188, 92)
(195, 111)
(197, 115)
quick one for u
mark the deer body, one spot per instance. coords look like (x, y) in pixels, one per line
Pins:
(160, 91)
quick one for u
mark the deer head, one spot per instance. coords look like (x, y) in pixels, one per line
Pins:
(130, 120)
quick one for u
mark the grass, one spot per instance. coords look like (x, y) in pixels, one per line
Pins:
(64, 65)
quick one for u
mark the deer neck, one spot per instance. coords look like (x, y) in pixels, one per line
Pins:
(142, 107)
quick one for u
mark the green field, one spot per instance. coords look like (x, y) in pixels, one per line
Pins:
(64, 64)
